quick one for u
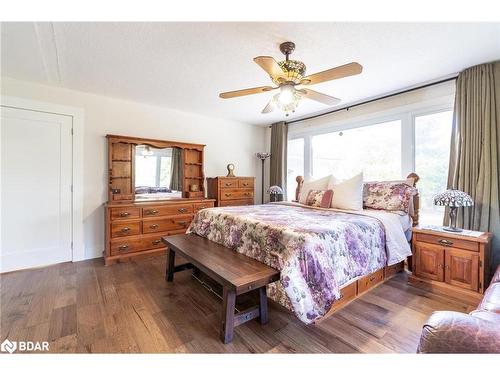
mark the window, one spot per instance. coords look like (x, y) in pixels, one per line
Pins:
(385, 145)
(375, 150)
(432, 150)
(295, 164)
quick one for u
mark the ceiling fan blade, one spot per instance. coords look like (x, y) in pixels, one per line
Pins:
(334, 73)
(319, 97)
(253, 90)
(269, 107)
(270, 65)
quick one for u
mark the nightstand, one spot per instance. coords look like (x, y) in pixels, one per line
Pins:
(453, 264)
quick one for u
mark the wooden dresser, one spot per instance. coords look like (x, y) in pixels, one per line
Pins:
(134, 225)
(136, 228)
(451, 264)
(231, 191)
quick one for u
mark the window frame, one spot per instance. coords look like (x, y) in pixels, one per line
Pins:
(405, 114)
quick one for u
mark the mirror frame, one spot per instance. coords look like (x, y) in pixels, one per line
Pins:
(121, 166)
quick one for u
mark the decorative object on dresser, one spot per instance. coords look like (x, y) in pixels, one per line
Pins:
(454, 264)
(155, 187)
(231, 191)
(230, 170)
(276, 193)
(263, 156)
(453, 199)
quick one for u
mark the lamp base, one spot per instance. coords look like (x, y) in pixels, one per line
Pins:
(453, 229)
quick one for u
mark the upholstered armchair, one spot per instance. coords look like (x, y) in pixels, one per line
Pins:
(455, 332)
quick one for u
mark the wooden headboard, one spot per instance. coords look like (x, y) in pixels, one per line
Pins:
(416, 197)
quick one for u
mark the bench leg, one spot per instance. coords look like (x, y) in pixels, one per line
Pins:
(228, 305)
(263, 305)
(169, 273)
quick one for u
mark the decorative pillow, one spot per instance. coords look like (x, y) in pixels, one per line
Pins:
(389, 196)
(320, 184)
(142, 189)
(319, 198)
(347, 194)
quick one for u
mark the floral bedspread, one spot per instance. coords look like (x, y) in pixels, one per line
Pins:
(316, 251)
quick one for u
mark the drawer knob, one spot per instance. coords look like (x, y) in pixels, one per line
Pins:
(245, 184)
(152, 212)
(183, 223)
(153, 226)
(445, 242)
(372, 278)
(123, 248)
(228, 194)
(124, 214)
(247, 194)
(228, 184)
(156, 242)
(182, 210)
(125, 230)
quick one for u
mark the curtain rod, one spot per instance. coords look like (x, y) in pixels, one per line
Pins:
(375, 99)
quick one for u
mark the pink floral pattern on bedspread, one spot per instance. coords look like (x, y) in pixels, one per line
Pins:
(315, 250)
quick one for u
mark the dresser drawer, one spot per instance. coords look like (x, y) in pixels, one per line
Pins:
(228, 194)
(368, 281)
(201, 206)
(447, 242)
(347, 293)
(125, 229)
(125, 213)
(124, 246)
(167, 210)
(163, 225)
(245, 183)
(236, 202)
(228, 183)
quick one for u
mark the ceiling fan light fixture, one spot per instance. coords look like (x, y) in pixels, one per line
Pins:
(287, 99)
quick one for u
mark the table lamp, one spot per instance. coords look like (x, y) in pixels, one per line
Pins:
(453, 199)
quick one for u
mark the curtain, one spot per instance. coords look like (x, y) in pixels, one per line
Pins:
(474, 156)
(279, 140)
(176, 169)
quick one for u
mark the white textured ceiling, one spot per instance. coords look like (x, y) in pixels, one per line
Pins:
(185, 65)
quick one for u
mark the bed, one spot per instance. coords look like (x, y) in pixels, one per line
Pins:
(326, 256)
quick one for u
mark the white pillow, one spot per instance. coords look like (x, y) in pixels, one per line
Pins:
(320, 184)
(347, 194)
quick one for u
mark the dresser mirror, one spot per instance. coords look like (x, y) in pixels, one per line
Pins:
(158, 172)
(151, 169)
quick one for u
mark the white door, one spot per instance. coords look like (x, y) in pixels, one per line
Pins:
(36, 198)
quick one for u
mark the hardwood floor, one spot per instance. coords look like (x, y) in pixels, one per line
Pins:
(128, 307)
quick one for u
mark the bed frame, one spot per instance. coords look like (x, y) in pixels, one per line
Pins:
(358, 287)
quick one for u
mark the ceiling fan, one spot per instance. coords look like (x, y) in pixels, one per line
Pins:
(287, 75)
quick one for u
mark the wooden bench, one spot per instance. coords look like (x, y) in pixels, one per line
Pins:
(237, 273)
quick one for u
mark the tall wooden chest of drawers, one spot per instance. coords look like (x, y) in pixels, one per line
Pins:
(137, 228)
(231, 191)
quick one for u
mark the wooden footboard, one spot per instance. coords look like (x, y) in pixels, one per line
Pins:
(358, 287)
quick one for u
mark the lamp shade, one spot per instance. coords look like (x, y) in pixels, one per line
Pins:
(263, 155)
(453, 198)
(275, 190)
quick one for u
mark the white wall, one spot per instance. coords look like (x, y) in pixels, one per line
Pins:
(402, 103)
(226, 142)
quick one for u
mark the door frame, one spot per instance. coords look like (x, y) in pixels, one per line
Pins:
(78, 122)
